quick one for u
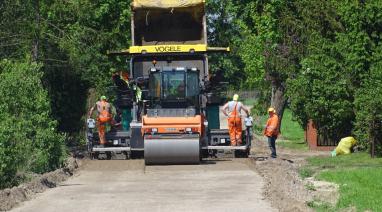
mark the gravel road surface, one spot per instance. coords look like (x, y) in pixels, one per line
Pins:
(129, 185)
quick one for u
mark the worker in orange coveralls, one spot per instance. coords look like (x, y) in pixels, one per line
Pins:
(234, 119)
(104, 116)
(272, 130)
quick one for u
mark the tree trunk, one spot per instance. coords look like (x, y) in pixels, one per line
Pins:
(36, 37)
(278, 100)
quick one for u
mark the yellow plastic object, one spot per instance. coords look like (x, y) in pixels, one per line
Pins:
(344, 146)
(165, 3)
(167, 48)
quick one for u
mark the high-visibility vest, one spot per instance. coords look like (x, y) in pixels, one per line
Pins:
(138, 93)
(271, 128)
(104, 114)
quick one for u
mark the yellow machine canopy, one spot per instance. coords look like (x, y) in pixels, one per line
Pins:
(165, 3)
(163, 22)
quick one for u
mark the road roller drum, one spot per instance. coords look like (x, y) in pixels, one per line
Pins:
(183, 149)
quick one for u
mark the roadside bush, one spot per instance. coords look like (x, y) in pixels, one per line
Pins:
(322, 92)
(339, 86)
(368, 105)
(11, 151)
(28, 137)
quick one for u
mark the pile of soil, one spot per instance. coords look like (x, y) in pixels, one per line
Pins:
(284, 187)
(11, 197)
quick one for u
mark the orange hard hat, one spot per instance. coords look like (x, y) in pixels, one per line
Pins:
(125, 75)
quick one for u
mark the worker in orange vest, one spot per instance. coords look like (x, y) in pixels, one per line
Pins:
(104, 116)
(234, 119)
(272, 130)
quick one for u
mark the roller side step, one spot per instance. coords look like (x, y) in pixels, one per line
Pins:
(110, 149)
(225, 147)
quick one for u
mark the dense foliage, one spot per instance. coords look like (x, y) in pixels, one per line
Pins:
(368, 104)
(322, 58)
(338, 82)
(68, 40)
(29, 141)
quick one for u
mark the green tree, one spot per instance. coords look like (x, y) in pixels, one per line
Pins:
(368, 105)
(341, 56)
(77, 35)
(223, 32)
(69, 39)
(368, 95)
(28, 135)
(272, 46)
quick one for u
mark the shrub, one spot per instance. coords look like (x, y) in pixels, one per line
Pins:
(368, 105)
(28, 137)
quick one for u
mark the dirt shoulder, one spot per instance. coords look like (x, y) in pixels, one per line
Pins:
(284, 188)
(11, 197)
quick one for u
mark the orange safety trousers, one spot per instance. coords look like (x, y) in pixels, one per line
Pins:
(234, 126)
(101, 132)
(103, 118)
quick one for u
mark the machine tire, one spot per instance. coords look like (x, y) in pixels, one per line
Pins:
(212, 153)
(108, 155)
(203, 154)
(95, 156)
(136, 154)
(237, 154)
(127, 155)
(241, 153)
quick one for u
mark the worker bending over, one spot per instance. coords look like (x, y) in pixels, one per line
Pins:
(272, 130)
(234, 119)
(104, 116)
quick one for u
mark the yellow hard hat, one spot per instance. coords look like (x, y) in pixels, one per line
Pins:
(103, 98)
(271, 109)
(235, 97)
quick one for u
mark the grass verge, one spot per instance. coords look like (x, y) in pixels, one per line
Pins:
(358, 176)
(292, 135)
